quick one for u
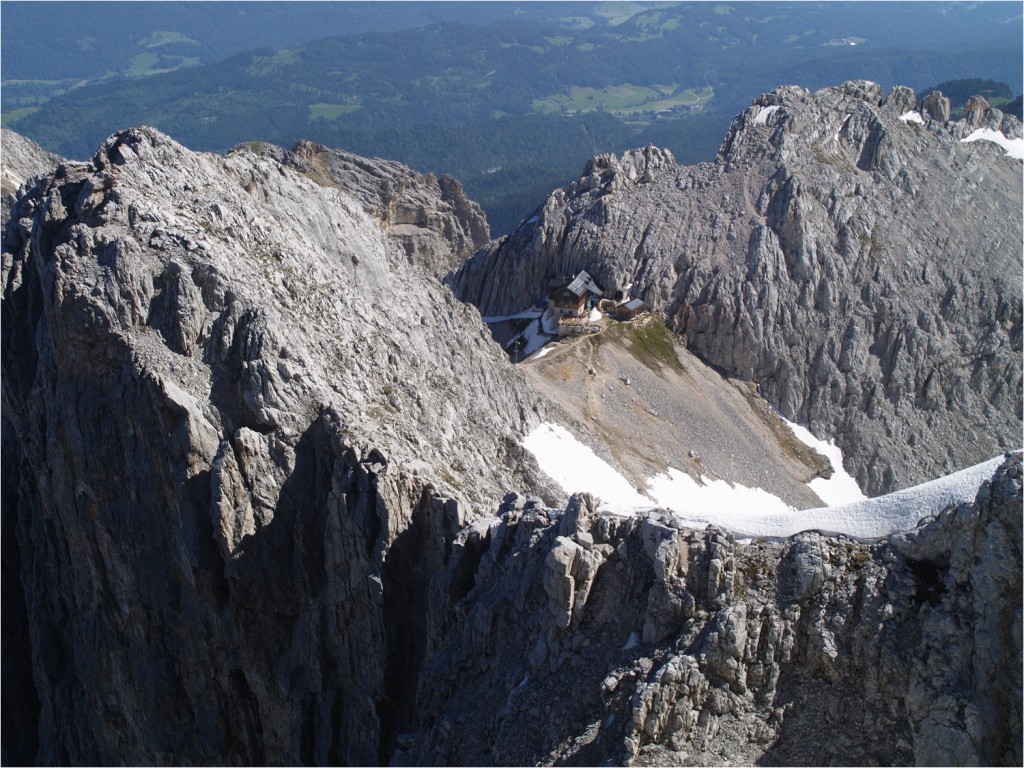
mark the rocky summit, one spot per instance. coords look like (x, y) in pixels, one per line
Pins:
(227, 394)
(265, 496)
(849, 254)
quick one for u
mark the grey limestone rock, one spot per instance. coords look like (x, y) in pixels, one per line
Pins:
(240, 434)
(936, 106)
(252, 458)
(863, 270)
(433, 220)
(23, 159)
(822, 650)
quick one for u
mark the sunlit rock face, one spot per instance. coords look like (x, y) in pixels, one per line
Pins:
(863, 268)
(257, 461)
(231, 407)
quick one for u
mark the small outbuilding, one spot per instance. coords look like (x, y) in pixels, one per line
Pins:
(627, 310)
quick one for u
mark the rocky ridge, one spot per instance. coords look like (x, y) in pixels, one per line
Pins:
(587, 640)
(234, 415)
(23, 159)
(433, 220)
(861, 268)
(250, 454)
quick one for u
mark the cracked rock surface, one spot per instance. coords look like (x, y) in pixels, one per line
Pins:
(862, 269)
(235, 421)
(256, 501)
(587, 639)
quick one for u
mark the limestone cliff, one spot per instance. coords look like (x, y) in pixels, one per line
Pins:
(252, 455)
(238, 427)
(23, 159)
(851, 256)
(437, 226)
(585, 639)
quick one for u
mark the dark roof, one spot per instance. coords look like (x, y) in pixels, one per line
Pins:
(582, 283)
(633, 304)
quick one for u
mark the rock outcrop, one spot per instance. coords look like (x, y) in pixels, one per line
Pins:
(433, 220)
(252, 452)
(582, 639)
(23, 159)
(238, 430)
(862, 267)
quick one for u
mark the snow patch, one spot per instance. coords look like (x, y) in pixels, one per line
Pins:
(761, 118)
(870, 519)
(902, 510)
(841, 488)
(679, 492)
(575, 467)
(749, 512)
(532, 312)
(534, 338)
(912, 117)
(549, 322)
(543, 351)
(1014, 147)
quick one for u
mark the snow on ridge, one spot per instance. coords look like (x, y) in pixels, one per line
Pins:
(761, 118)
(912, 117)
(902, 510)
(677, 491)
(875, 518)
(749, 512)
(1014, 147)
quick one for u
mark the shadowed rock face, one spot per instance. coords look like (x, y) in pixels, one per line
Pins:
(864, 270)
(238, 428)
(588, 639)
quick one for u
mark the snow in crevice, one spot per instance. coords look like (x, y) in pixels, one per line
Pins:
(532, 338)
(1014, 147)
(841, 488)
(532, 312)
(912, 117)
(549, 322)
(748, 512)
(761, 118)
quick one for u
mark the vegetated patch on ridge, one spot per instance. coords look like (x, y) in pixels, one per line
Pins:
(996, 93)
(647, 339)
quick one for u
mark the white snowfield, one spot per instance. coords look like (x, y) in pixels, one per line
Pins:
(749, 512)
(761, 118)
(841, 488)
(1013, 147)
(912, 117)
(575, 467)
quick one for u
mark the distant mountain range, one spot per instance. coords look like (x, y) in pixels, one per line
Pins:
(511, 99)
